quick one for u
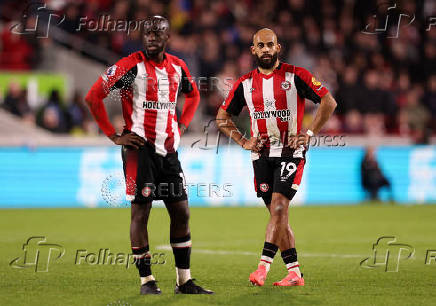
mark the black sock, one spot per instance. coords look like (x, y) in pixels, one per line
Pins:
(142, 260)
(268, 252)
(182, 251)
(289, 257)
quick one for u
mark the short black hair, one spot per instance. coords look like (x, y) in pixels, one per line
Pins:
(157, 23)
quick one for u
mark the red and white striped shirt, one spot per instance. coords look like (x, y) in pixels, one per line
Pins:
(276, 105)
(148, 93)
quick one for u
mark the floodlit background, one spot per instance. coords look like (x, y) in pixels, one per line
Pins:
(377, 58)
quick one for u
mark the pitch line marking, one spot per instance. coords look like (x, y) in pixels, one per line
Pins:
(166, 247)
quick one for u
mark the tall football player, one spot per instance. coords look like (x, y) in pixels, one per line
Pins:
(275, 94)
(149, 82)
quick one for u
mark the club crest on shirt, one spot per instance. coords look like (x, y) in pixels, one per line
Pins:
(269, 103)
(146, 191)
(251, 89)
(111, 70)
(264, 187)
(315, 82)
(286, 85)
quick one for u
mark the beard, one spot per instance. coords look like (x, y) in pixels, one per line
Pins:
(152, 52)
(266, 62)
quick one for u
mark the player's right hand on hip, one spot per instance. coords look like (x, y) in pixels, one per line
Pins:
(130, 139)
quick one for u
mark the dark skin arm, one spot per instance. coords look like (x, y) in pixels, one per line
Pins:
(135, 140)
(227, 126)
(130, 139)
(325, 110)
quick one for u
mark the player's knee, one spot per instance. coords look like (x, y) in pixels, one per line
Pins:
(137, 217)
(184, 216)
(140, 213)
(181, 218)
(279, 211)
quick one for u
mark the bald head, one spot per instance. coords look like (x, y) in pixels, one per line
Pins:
(265, 48)
(264, 35)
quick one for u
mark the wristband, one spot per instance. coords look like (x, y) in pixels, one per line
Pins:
(309, 132)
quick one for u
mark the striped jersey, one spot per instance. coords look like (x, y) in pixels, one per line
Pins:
(276, 105)
(148, 92)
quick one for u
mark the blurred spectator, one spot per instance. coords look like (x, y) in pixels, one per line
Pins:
(430, 99)
(371, 175)
(52, 115)
(348, 104)
(77, 113)
(15, 101)
(371, 104)
(16, 53)
(347, 92)
(133, 43)
(210, 56)
(71, 22)
(299, 56)
(390, 108)
(414, 118)
(402, 88)
(428, 62)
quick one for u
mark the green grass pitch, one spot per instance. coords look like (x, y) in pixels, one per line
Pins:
(331, 243)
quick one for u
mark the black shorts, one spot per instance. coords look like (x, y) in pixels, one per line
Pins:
(150, 176)
(277, 174)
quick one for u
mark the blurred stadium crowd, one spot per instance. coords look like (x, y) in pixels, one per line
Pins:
(384, 85)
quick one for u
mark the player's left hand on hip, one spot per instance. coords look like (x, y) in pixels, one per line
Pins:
(301, 140)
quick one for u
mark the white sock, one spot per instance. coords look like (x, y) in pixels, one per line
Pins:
(294, 266)
(146, 279)
(266, 262)
(183, 275)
